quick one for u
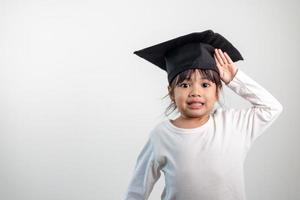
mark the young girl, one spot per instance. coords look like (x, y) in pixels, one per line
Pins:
(202, 152)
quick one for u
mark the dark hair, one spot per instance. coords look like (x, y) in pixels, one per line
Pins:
(206, 73)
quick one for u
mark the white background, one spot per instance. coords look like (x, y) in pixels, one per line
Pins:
(76, 105)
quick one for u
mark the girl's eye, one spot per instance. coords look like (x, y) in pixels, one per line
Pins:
(205, 85)
(183, 84)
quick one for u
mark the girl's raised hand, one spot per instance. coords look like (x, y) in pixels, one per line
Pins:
(225, 65)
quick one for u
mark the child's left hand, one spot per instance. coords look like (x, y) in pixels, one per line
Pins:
(225, 65)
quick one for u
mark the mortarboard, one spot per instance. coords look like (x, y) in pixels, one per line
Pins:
(195, 50)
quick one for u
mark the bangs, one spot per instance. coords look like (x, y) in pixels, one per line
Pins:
(205, 73)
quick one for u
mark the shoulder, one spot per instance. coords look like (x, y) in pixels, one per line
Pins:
(158, 127)
(162, 131)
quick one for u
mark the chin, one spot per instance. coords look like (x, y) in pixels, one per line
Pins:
(200, 112)
(195, 113)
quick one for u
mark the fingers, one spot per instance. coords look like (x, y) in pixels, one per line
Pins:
(219, 66)
(228, 58)
(217, 61)
(221, 57)
(218, 56)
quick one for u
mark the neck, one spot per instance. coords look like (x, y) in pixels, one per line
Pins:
(188, 122)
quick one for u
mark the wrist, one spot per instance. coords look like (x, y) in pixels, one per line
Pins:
(234, 74)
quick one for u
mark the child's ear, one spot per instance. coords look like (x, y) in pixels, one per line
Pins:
(169, 88)
(171, 95)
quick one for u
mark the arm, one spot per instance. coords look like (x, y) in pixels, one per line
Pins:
(264, 111)
(265, 108)
(145, 174)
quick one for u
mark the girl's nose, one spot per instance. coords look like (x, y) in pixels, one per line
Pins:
(195, 95)
(196, 91)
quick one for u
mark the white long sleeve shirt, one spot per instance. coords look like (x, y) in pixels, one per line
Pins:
(205, 163)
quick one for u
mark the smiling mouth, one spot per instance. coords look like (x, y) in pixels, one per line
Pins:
(196, 105)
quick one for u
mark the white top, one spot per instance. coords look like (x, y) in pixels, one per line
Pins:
(205, 162)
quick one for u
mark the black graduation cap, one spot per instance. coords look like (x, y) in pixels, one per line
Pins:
(195, 50)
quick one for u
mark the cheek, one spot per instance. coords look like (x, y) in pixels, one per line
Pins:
(212, 98)
(180, 98)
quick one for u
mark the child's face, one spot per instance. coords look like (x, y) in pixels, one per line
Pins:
(195, 89)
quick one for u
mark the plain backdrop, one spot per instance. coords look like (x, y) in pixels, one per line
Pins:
(76, 105)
